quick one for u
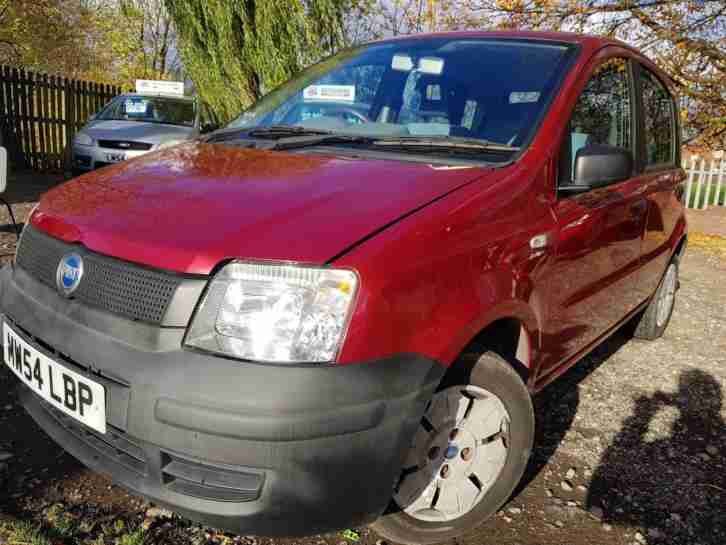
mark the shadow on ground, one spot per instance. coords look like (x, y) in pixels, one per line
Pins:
(674, 486)
(556, 406)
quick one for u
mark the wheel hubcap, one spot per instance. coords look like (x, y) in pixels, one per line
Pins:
(667, 297)
(458, 452)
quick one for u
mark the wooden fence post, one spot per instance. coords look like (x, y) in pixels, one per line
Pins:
(40, 114)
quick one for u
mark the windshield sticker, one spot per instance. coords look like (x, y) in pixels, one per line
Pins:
(335, 93)
(523, 97)
(136, 106)
(429, 129)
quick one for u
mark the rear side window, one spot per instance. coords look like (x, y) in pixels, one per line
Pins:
(602, 115)
(659, 130)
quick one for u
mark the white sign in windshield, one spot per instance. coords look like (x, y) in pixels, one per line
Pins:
(334, 93)
(145, 86)
(136, 106)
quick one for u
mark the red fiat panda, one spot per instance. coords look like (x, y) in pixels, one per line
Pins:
(335, 310)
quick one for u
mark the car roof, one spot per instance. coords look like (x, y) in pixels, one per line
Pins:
(562, 37)
(588, 42)
(151, 95)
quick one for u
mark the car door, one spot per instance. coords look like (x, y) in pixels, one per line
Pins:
(661, 177)
(592, 283)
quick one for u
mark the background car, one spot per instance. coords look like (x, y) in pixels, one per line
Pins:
(134, 124)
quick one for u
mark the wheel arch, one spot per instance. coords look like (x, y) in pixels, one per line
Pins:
(508, 336)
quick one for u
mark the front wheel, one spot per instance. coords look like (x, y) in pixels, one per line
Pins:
(467, 456)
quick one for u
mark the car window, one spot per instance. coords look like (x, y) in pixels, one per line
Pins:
(150, 110)
(491, 90)
(602, 115)
(658, 123)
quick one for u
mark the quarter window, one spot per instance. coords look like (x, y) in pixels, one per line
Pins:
(657, 120)
(602, 115)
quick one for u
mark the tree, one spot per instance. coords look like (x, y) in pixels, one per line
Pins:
(112, 41)
(43, 35)
(236, 50)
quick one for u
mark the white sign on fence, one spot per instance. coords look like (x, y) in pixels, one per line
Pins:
(153, 87)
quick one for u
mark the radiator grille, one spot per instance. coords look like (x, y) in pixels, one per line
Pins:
(125, 145)
(119, 287)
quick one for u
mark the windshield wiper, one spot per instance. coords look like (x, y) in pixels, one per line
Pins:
(282, 131)
(444, 143)
(272, 132)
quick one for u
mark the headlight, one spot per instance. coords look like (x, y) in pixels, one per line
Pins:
(275, 313)
(82, 139)
(169, 144)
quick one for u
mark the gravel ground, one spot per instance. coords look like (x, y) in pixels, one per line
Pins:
(631, 448)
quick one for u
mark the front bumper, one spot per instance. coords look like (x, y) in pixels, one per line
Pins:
(255, 449)
(87, 158)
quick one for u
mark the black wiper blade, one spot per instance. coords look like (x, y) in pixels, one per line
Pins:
(453, 144)
(282, 131)
(306, 141)
(272, 132)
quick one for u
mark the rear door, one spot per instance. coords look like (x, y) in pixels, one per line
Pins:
(593, 281)
(661, 177)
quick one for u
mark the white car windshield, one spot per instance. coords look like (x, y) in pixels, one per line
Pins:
(492, 90)
(149, 109)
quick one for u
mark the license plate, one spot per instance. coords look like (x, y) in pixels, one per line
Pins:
(115, 157)
(64, 389)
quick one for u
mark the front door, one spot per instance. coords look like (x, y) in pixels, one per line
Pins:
(593, 280)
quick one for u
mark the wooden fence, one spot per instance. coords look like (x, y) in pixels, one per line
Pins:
(706, 184)
(39, 114)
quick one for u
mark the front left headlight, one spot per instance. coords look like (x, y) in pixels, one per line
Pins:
(278, 313)
(82, 139)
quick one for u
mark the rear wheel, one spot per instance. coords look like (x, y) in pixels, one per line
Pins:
(467, 456)
(653, 322)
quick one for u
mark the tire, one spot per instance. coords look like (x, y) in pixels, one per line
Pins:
(654, 320)
(486, 395)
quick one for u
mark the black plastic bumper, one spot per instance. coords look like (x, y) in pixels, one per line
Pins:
(256, 449)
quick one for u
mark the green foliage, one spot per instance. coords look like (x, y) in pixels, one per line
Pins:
(134, 538)
(236, 50)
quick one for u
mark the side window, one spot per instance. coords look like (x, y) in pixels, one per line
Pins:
(659, 132)
(602, 115)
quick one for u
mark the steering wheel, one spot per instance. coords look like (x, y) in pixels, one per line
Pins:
(348, 110)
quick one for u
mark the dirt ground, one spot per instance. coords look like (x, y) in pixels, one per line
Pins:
(631, 445)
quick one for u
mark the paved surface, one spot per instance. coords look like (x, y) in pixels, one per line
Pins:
(711, 221)
(631, 448)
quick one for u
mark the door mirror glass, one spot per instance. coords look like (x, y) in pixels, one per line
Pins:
(3, 169)
(598, 165)
(208, 127)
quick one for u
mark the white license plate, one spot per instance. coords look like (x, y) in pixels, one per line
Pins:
(115, 157)
(66, 390)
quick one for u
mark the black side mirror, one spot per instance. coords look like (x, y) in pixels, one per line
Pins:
(208, 127)
(598, 165)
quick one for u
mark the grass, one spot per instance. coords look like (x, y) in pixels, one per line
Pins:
(62, 530)
(25, 533)
(702, 197)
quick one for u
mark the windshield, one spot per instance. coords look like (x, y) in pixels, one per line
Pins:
(484, 89)
(145, 109)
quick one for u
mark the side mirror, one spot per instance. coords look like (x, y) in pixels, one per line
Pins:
(208, 127)
(598, 165)
(3, 169)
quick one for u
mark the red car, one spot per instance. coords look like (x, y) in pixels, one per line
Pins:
(336, 309)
